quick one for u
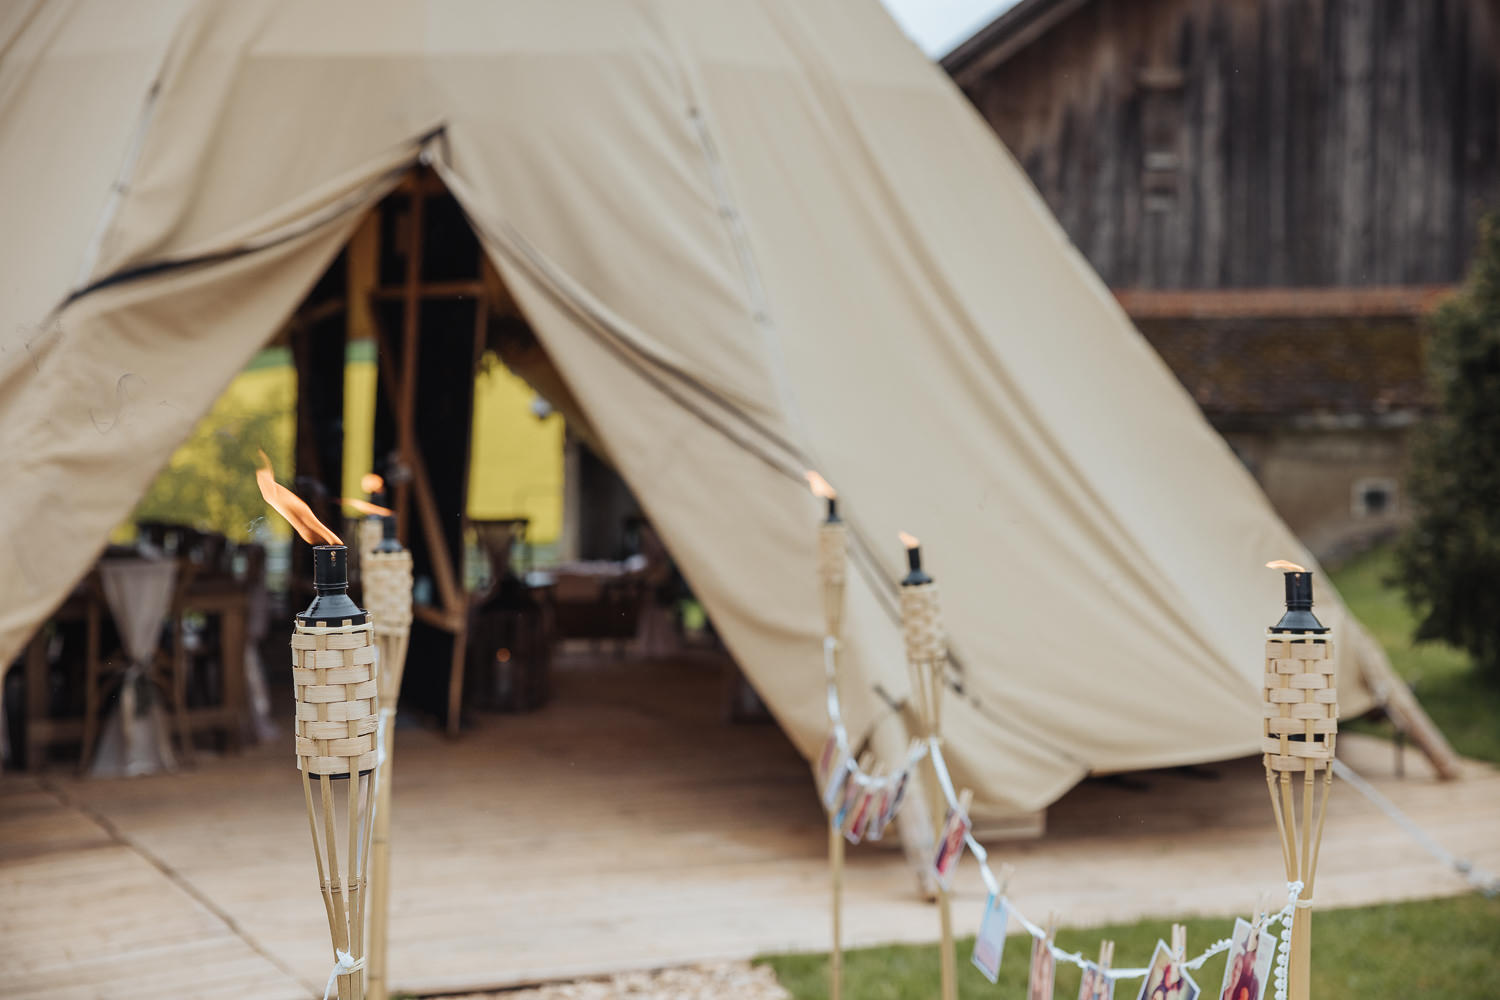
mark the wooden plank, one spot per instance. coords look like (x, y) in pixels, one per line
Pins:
(1324, 143)
(628, 815)
(1408, 716)
(429, 290)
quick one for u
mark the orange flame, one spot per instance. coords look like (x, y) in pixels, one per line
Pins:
(366, 507)
(821, 487)
(290, 506)
(1289, 567)
(371, 483)
(910, 541)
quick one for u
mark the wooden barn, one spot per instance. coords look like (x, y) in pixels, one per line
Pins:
(1278, 191)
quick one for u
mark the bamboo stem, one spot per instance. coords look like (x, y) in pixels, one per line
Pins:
(380, 890)
(1288, 804)
(312, 825)
(1312, 872)
(1299, 968)
(339, 885)
(1308, 778)
(1286, 852)
(356, 925)
(836, 955)
(949, 962)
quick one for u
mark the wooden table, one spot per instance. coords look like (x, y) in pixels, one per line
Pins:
(221, 596)
(227, 598)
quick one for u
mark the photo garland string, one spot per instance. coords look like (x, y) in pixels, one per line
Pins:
(842, 759)
(839, 758)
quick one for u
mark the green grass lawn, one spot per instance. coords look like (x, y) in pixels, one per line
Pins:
(1464, 706)
(1443, 949)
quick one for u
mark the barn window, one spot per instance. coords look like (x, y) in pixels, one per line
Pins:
(1374, 496)
(1161, 133)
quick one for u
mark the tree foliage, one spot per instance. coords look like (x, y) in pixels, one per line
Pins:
(209, 482)
(1449, 560)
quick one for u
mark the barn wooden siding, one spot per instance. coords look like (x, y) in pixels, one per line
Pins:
(1238, 143)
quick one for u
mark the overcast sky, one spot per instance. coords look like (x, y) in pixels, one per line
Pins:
(939, 25)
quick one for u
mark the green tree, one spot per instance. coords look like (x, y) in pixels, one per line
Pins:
(209, 483)
(1449, 560)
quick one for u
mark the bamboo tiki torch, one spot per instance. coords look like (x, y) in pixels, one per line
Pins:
(387, 592)
(370, 526)
(335, 680)
(1301, 726)
(833, 548)
(926, 657)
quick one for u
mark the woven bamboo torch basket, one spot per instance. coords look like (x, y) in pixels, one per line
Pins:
(1301, 711)
(335, 677)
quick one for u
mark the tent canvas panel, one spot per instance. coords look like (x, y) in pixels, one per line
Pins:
(749, 247)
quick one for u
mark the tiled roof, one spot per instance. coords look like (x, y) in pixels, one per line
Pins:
(1282, 303)
(1266, 370)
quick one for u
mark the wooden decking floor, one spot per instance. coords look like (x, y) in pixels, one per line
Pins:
(625, 826)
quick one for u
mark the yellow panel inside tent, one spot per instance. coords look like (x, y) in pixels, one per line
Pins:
(517, 458)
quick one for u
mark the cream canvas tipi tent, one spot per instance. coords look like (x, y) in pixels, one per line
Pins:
(754, 238)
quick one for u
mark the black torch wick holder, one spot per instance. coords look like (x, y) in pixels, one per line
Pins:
(914, 574)
(331, 604)
(388, 540)
(1299, 602)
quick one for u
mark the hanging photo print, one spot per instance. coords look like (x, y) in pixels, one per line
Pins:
(880, 811)
(1096, 984)
(1167, 980)
(1043, 971)
(1251, 952)
(989, 943)
(898, 796)
(853, 792)
(950, 846)
(859, 819)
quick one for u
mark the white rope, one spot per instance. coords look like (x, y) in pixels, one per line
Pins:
(1294, 890)
(1477, 877)
(940, 767)
(983, 857)
(945, 782)
(346, 964)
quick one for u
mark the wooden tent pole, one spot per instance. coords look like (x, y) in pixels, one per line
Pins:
(426, 504)
(404, 398)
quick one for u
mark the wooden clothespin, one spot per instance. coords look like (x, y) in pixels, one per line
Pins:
(1262, 912)
(1051, 928)
(965, 799)
(1179, 943)
(1005, 874)
(1097, 978)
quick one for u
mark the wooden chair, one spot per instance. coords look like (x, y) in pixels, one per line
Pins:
(509, 633)
(42, 727)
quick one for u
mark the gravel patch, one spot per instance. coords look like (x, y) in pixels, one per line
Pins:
(734, 980)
